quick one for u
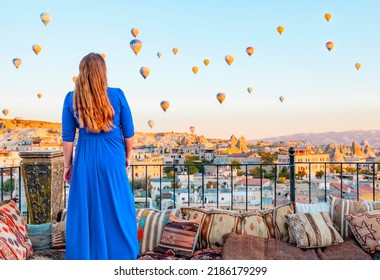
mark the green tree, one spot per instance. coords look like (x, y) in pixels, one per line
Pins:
(267, 157)
(235, 164)
(319, 174)
(195, 165)
(9, 185)
(300, 174)
(284, 173)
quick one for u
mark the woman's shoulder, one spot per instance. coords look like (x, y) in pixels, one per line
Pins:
(69, 97)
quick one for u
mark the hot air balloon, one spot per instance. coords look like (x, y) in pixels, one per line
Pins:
(5, 112)
(281, 98)
(136, 45)
(249, 89)
(195, 69)
(164, 105)
(175, 50)
(144, 71)
(220, 96)
(39, 95)
(103, 55)
(36, 48)
(151, 123)
(250, 50)
(206, 61)
(358, 65)
(192, 129)
(328, 16)
(159, 54)
(17, 62)
(229, 59)
(75, 78)
(329, 45)
(135, 32)
(45, 17)
(280, 29)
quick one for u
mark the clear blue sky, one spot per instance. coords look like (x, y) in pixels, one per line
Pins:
(323, 90)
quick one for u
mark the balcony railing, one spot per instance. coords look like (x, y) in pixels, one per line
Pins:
(242, 187)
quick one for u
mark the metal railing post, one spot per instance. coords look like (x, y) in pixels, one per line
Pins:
(292, 175)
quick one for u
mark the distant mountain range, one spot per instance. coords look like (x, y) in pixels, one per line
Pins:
(372, 137)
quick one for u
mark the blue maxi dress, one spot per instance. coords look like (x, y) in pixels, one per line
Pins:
(101, 215)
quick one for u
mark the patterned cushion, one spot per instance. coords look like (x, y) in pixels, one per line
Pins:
(313, 230)
(150, 223)
(366, 229)
(341, 207)
(312, 207)
(276, 222)
(14, 241)
(40, 235)
(214, 224)
(252, 223)
(58, 235)
(180, 236)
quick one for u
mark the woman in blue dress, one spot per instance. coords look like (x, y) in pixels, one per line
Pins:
(101, 218)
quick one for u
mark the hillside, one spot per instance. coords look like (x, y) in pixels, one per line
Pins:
(372, 137)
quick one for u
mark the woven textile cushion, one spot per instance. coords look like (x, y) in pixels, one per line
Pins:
(312, 207)
(58, 231)
(341, 207)
(14, 241)
(214, 224)
(252, 223)
(366, 229)
(150, 224)
(180, 236)
(40, 235)
(276, 221)
(313, 230)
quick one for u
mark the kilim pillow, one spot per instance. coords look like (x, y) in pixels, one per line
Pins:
(276, 221)
(150, 223)
(58, 235)
(214, 223)
(14, 241)
(366, 229)
(252, 223)
(40, 235)
(180, 236)
(313, 230)
(312, 207)
(341, 207)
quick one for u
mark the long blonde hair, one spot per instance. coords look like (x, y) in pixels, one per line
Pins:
(91, 103)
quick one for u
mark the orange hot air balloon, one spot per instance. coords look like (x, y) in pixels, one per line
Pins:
(195, 69)
(5, 112)
(329, 45)
(280, 29)
(358, 65)
(159, 54)
(164, 105)
(175, 50)
(36, 48)
(192, 129)
(220, 96)
(103, 55)
(206, 61)
(328, 16)
(136, 45)
(144, 71)
(249, 89)
(250, 50)
(17, 62)
(151, 123)
(229, 59)
(45, 18)
(75, 78)
(39, 95)
(135, 32)
(281, 98)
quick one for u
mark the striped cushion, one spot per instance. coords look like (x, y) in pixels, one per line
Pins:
(276, 221)
(214, 224)
(341, 207)
(40, 235)
(179, 236)
(313, 230)
(150, 224)
(58, 235)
